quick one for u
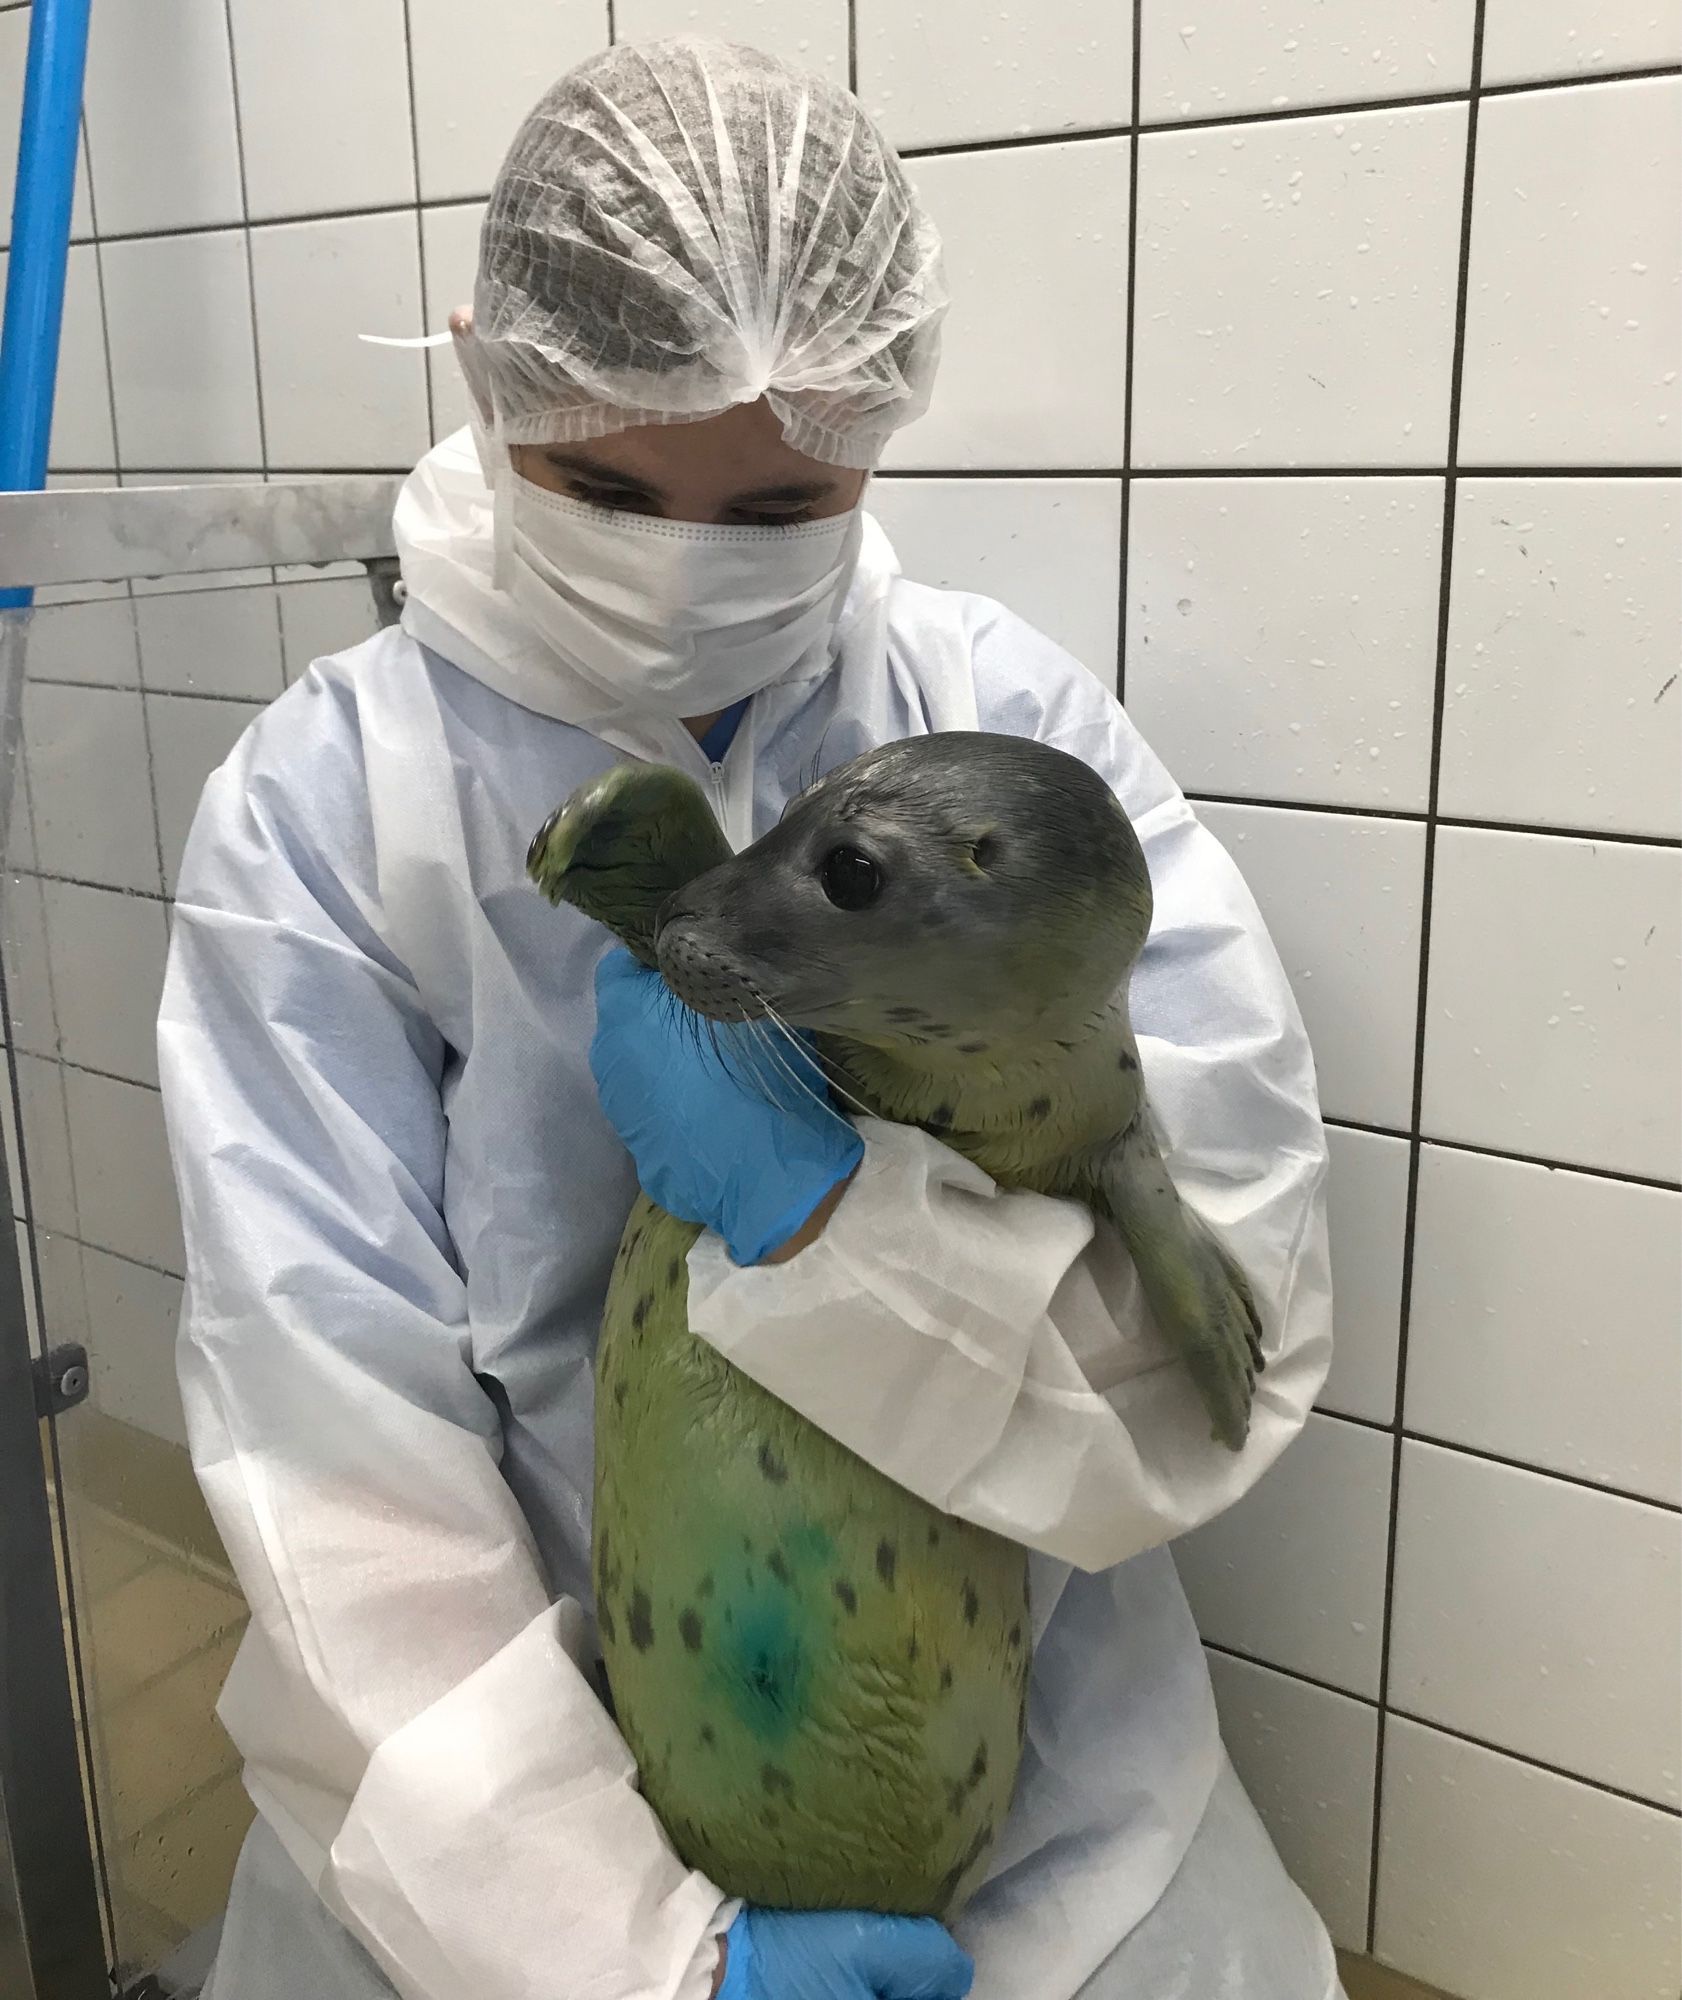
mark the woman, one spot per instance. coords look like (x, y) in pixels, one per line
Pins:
(706, 298)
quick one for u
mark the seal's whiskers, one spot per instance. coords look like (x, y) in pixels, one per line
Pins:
(788, 1070)
(858, 1104)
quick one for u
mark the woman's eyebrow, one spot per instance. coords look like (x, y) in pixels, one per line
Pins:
(604, 475)
(801, 489)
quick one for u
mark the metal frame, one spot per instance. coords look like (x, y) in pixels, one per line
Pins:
(107, 536)
(112, 535)
(40, 1769)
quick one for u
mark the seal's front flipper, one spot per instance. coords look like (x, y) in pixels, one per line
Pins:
(1200, 1298)
(622, 844)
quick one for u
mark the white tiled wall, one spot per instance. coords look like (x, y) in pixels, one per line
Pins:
(1332, 414)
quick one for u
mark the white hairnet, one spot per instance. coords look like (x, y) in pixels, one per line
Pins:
(685, 225)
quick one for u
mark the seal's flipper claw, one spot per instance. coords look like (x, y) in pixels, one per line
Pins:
(622, 844)
(1199, 1297)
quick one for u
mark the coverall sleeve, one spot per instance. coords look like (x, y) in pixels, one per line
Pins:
(990, 1349)
(416, 1721)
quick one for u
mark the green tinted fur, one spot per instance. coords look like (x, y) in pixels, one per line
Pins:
(822, 1678)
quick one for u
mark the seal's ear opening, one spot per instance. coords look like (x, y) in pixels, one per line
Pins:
(984, 851)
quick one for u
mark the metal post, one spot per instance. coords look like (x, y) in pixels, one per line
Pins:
(41, 1799)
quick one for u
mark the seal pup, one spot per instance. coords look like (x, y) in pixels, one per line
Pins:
(822, 1677)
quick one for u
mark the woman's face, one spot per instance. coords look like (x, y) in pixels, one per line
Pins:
(732, 470)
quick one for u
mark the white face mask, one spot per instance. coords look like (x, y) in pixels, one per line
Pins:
(675, 618)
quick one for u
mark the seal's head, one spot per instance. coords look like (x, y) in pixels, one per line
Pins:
(956, 885)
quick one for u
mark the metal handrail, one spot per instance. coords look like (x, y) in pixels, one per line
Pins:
(112, 535)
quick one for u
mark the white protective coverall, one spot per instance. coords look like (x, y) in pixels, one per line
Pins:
(401, 1201)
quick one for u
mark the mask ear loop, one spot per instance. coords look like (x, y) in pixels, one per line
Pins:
(496, 461)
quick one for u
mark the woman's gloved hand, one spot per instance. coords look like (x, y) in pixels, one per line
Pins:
(841, 1955)
(730, 1125)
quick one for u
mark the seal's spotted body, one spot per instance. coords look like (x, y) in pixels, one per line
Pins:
(822, 1677)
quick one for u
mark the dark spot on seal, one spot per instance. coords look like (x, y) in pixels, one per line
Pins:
(972, 1603)
(848, 1595)
(709, 1735)
(689, 1627)
(940, 1118)
(641, 1310)
(912, 1649)
(1127, 1060)
(1039, 1109)
(605, 1621)
(934, 1538)
(961, 1867)
(619, 1393)
(775, 1779)
(772, 1466)
(641, 1620)
(777, 1564)
(945, 1679)
(939, 1028)
(1013, 1638)
(674, 1271)
(978, 1765)
(955, 1796)
(972, 1048)
(905, 1013)
(887, 1561)
(706, 1586)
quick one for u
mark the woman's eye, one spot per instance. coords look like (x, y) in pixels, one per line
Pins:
(851, 880)
(615, 500)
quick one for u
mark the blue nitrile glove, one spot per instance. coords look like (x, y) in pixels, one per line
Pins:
(841, 1955)
(729, 1124)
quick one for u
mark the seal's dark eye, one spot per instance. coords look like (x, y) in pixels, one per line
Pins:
(851, 880)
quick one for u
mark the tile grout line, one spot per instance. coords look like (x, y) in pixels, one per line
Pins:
(244, 227)
(1523, 1757)
(1255, 475)
(420, 232)
(1283, 114)
(1500, 1153)
(93, 1069)
(116, 467)
(1125, 529)
(105, 1250)
(169, 694)
(1537, 1763)
(1290, 1673)
(1019, 475)
(1415, 816)
(1487, 1457)
(1456, 380)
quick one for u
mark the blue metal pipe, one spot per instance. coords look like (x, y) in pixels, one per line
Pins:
(46, 186)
